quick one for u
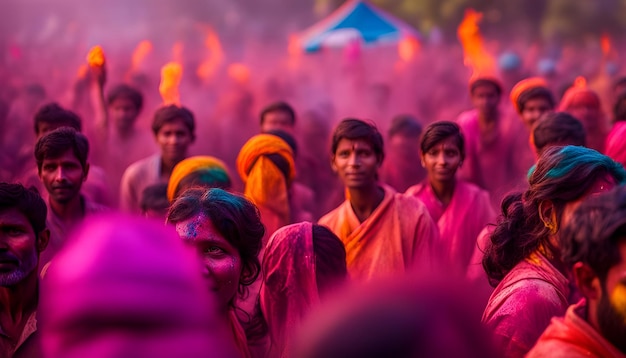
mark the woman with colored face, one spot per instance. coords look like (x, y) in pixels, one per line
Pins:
(460, 209)
(227, 231)
(523, 260)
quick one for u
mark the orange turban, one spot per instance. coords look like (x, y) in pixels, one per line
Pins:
(265, 183)
(579, 94)
(193, 164)
(523, 86)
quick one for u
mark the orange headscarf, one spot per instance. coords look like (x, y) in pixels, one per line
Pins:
(523, 86)
(265, 184)
(193, 164)
(578, 94)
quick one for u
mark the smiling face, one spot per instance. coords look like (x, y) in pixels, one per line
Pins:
(442, 160)
(63, 177)
(19, 252)
(221, 260)
(356, 163)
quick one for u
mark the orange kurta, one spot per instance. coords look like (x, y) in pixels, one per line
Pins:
(572, 337)
(397, 236)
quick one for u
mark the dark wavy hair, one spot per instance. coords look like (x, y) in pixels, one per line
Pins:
(593, 234)
(26, 201)
(234, 216)
(562, 175)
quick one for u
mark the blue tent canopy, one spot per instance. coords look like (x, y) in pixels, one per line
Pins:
(355, 19)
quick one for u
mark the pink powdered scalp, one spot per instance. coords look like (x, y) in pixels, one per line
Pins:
(127, 287)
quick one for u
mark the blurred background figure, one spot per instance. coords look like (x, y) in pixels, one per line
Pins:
(399, 170)
(556, 129)
(403, 318)
(584, 103)
(109, 294)
(616, 140)
(490, 151)
(154, 203)
(174, 131)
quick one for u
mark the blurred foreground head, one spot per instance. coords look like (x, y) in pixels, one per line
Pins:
(127, 287)
(403, 319)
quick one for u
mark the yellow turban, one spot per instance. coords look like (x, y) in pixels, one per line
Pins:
(193, 164)
(265, 184)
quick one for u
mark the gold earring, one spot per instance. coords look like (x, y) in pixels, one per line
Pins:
(552, 227)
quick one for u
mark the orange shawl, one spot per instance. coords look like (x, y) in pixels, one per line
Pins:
(572, 337)
(397, 236)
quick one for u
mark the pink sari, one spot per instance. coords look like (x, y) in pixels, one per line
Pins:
(289, 289)
(616, 143)
(524, 302)
(460, 222)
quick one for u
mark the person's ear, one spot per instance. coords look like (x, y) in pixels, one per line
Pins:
(547, 214)
(379, 161)
(43, 238)
(587, 281)
(86, 171)
(333, 166)
(249, 274)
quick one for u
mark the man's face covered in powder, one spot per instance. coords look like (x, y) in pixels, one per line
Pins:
(612, 306)
(221, 260)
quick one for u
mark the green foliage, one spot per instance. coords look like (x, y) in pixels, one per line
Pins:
(549, 20)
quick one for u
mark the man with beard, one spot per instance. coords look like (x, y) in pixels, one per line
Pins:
(594, 249)
(23, 236)
(61, 157)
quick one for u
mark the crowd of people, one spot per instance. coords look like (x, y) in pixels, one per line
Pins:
(373, 245)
